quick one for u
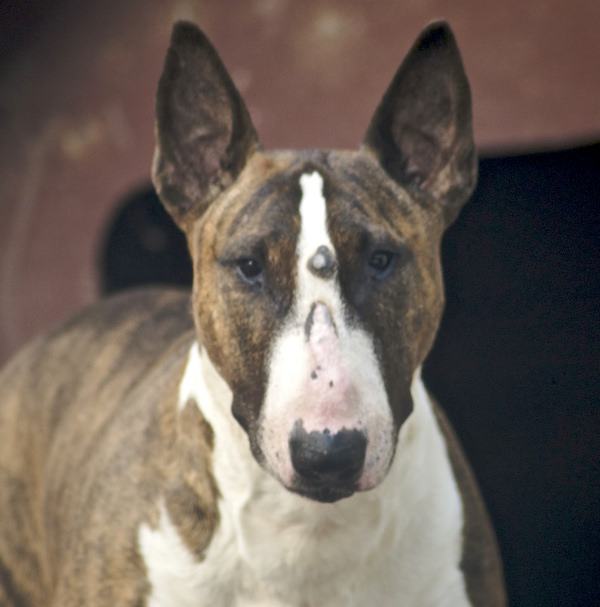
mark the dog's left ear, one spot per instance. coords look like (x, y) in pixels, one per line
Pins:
(204, 132)
(421, 132)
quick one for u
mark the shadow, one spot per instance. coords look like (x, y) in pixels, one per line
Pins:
(515, 365)
(142, 246)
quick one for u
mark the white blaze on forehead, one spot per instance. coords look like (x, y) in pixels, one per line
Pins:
(313, 216)
(313, 234)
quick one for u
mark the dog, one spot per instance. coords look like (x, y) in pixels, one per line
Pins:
(271, 444)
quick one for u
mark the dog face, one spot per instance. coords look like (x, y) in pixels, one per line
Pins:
(317, 283)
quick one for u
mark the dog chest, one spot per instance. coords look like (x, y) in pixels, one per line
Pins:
(397, 544)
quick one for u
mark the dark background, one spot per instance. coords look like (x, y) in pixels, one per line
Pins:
(516, 361)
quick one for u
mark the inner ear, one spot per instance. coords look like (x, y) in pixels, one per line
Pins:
(204, 132)
(421, 131)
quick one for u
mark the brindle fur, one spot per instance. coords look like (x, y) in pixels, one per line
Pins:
(91, 439)
(84, 455)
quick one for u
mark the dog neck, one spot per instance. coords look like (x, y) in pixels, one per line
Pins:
(276, 547)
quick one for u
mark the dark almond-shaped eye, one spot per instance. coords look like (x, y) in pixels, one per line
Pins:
(250, 270)
(381, 263)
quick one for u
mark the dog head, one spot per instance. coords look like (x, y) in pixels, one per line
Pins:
(317, 281)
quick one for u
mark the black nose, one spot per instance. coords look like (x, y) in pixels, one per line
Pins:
(324, 458)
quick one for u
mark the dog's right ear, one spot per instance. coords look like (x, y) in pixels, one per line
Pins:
(203, 129)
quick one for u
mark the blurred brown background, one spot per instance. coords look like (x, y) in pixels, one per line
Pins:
(77, 82)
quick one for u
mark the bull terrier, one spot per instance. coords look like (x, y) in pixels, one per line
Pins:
(271, 444)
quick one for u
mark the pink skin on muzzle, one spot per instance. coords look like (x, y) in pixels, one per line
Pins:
(330, 395)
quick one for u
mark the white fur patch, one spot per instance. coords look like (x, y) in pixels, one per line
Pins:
(176, 577)
(313, 217)
(313, 234)
(397, 544)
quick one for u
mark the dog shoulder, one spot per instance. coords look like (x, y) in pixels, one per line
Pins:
(58, 379)
(480, 563)
(89, 436)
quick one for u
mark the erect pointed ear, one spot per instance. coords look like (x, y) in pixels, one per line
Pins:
(421, 132)
(204, 132)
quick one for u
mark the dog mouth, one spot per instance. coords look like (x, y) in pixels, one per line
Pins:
(326, 494)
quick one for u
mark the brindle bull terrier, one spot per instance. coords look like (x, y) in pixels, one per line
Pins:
(275, 445)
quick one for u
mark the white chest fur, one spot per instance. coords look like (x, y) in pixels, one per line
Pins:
(399, 544)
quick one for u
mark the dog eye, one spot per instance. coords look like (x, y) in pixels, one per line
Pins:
(250, 270)
(381, 263)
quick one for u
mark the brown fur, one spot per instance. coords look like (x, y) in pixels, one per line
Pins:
(85, 455)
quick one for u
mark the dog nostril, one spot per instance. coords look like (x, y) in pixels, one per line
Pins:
(322, 457)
